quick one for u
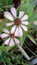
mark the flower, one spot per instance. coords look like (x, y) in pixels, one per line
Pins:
(11, 38)
(20, 22)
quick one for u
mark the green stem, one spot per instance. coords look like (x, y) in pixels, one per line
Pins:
(9, 6)
(6, 4)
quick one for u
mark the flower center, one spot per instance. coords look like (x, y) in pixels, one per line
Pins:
(17, 21)
(12, 35)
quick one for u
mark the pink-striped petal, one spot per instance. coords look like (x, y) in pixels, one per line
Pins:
(7, 41)
(20, 31)
(4, 35)
(11, 42)
(13, 10)
(6, 31)
(16, 41)
(24, 17)
(21, 14)
(9, 24)
(17, 32)
(24, 28)
(13, 29)
(25, 22)
(8, 16)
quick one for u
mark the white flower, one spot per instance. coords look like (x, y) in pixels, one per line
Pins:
(11, 38)
(20, 22)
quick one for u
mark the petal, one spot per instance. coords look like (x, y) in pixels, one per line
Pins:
(9, 24)
(16, 32)
(16, 41)
(25, 23)
(8, 16)
(4, 35)
(11, 42)
(24, 17)
(7, 41)
(6, 31)
(13, 29)
(13, 10)
(24, 27)
(20, 31)
(21, 14)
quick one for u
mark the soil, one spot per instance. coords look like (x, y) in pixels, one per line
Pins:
(16, 3)
(1, 15)
(1, 41)
(36, 64)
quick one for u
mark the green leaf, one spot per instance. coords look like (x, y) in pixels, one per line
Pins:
(4, 2)
(34, 17)
(31, 38)
(1, 49)
(30, 8)
(22, 39)
(30, 64)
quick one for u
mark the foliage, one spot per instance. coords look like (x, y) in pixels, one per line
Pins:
(6, 55)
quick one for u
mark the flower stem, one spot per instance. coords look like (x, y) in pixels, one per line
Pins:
(7, 4)
(4, 63)
(23, 52)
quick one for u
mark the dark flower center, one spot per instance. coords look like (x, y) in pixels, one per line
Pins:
(17, 21)
(12, 35)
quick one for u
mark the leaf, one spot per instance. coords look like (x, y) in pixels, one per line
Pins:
(33, 18)
(30, 64)
(30, 8)
(10, 2)
(31, 38)
(22, 39)
(4, 2)
(1, 49)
